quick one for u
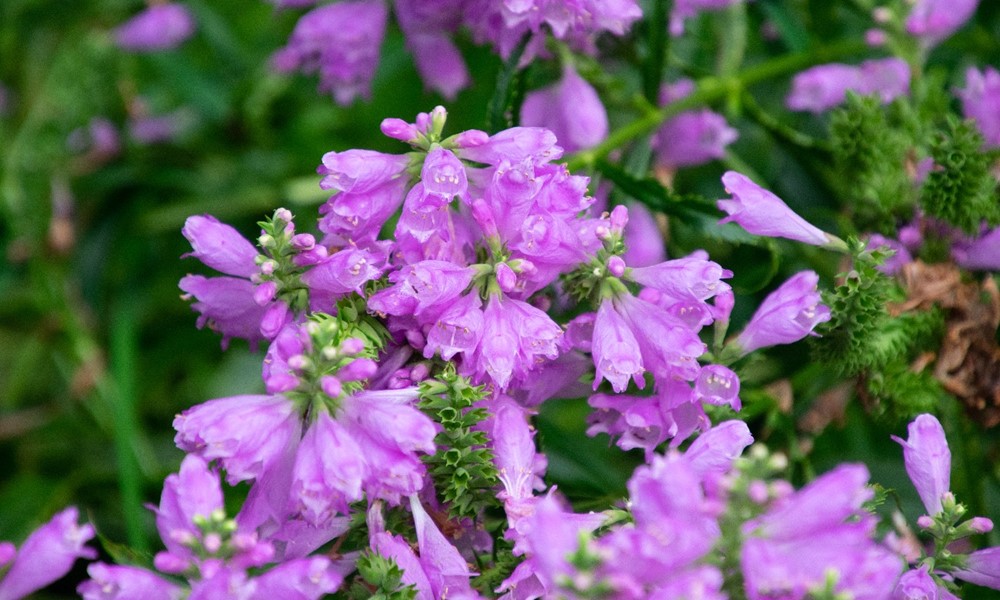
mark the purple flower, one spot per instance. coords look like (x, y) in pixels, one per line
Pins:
(329, 469)
(193, 492)
(669, 347)
(887, 78)
(715, 450)
(426, 25)
(691, 279)
(935, 20)
(786, 315)
(109, 582)
(304, 579)
(981, 102)
(822, 87)
(458, 329)
(246, 434)
(47, 555)
(693, 138)
(979, 254)
(616, 352)
(982, 567)
(426, 287)
(341, 42)
(226, 305)
(159, 27)
(397, 548)
(644, 244)
(718, 385)
(762, 213)
(917, 584)
(928, 460)
(443, 175)
(515, 338)
(819, 530)
(582, 126)
(148, 129)
(446, 570)
(220, 246)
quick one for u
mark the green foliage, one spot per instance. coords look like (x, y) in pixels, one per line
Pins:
(849, 341)
(870, 154)
(462, 467)
(380, 578)
(504, 562)
(899, 394)
(961, 189)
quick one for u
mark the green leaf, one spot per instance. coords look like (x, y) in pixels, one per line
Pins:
(505, 104)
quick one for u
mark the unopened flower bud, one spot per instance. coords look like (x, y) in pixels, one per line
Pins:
(275, 317)
(358, 369)
(483, 215)
(506, 277)
(265, 241)
(352, 346)
(399, 129)
(303, 241)
(925, 522)
(416, 339)
(213, 542)
(423, 122)
(330, 385)
(419, 372)
(299, 362)
(981, 524)
(471, 138)
(757, 491)
(265, 293)
(284, 215)
(876, 38)
(781, 489)
(882, 15)
(616, 266)
(602, 232)
(619, 218)
(268, 266)
(438, 118)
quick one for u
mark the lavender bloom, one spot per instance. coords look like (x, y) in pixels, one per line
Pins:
(693, 138)
(928, 460)
(47, 555)
(446, 570)
(306, 579)
(515, 337)
(616, 351)
(917, 584)
(585, 125)
(980, 102)
(644, 244)
(787, 315)
(220, 246)
(426, 287)
(715, 450)
(822, 87)
(982, 567)
(762, 213)
(246, 434)
(935, 20)
(341, 42)
(226, 305)
(458, 329)
(825, 86)
(112, 582)
(979, 254)
(821, 529)
(371, 187)
(329, 468)
(887, 78)
(669, 347)
(691, 279)
(718, 385)
(159, 27)
(426, 25)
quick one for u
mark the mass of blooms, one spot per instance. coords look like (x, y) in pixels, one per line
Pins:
(450, 288)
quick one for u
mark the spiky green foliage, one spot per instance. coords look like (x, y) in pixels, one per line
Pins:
(870, 154)
(462, 468)
(960, 189)
(849, 341)
(898, 394)
(380, 578)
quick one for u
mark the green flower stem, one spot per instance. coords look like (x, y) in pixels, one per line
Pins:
(711, 89)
